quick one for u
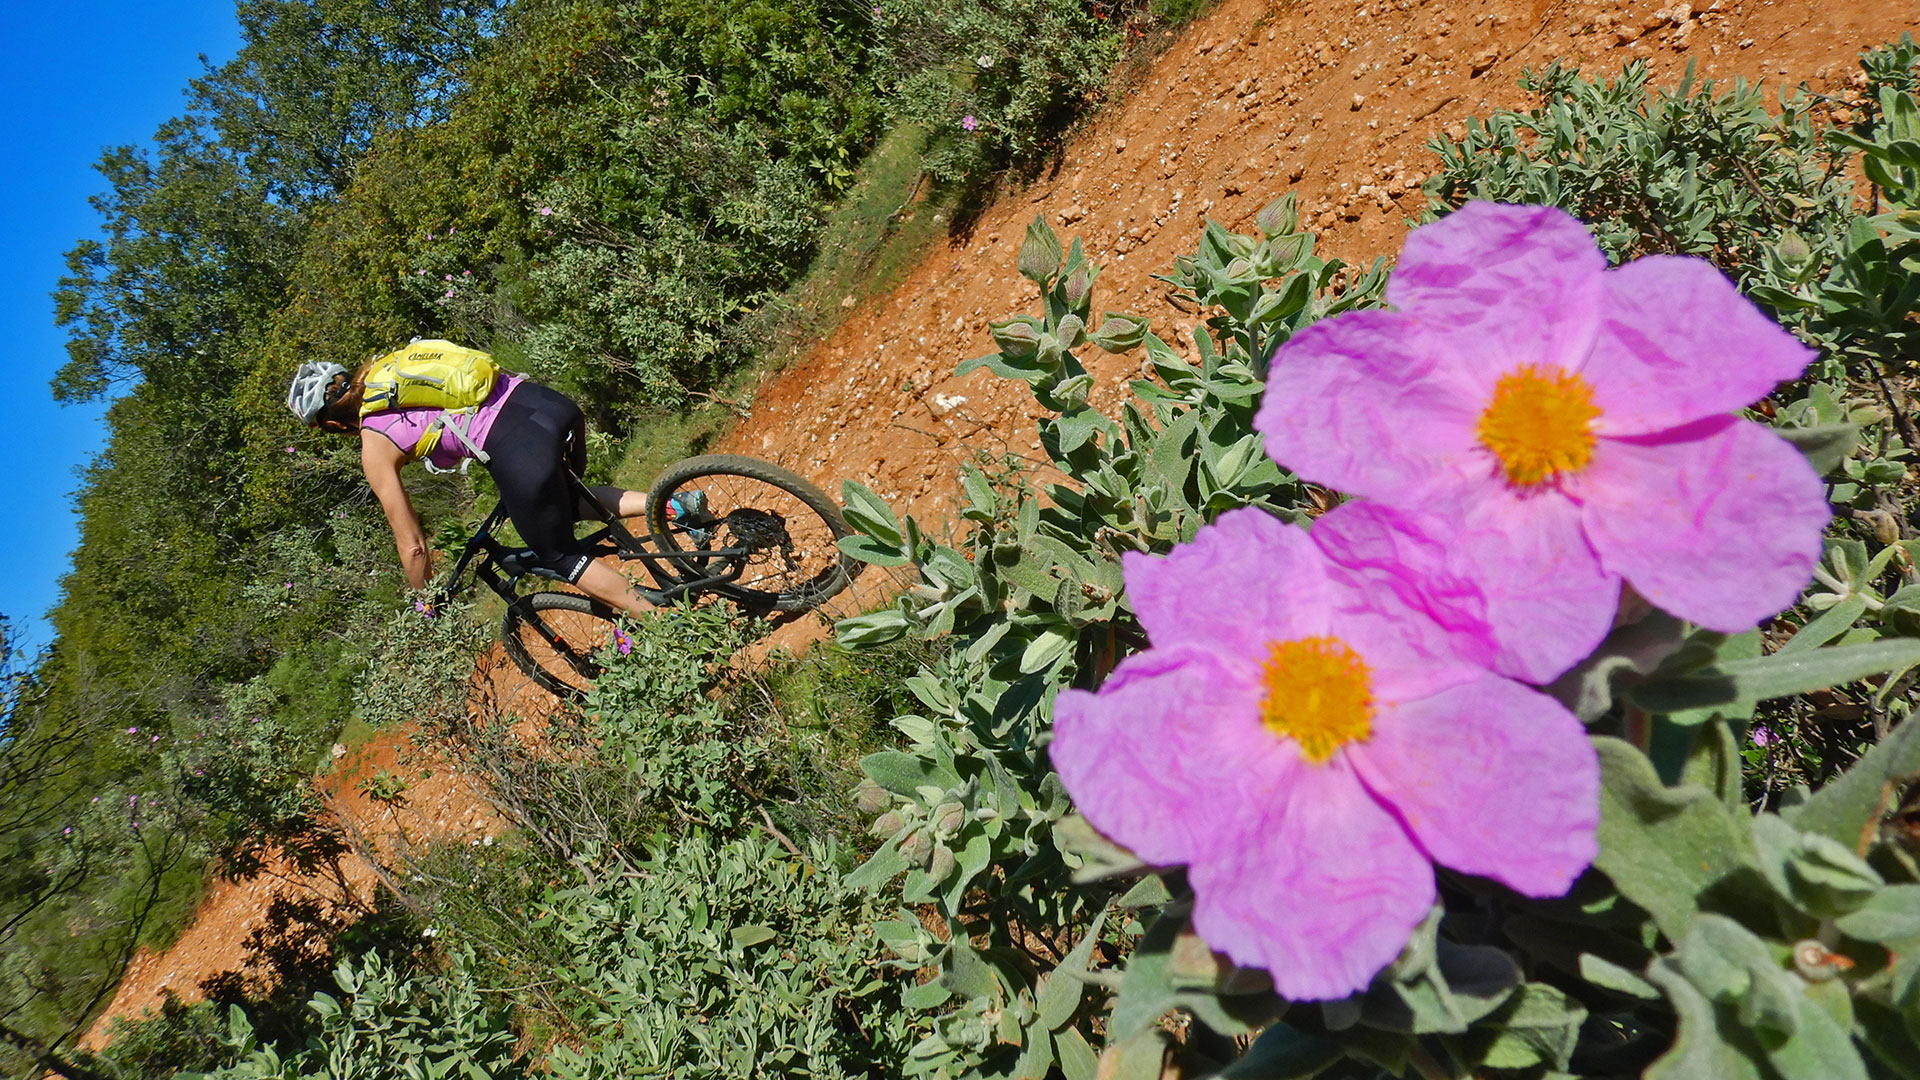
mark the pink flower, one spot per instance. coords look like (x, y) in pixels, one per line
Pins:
(622, 642)
(968, 123)
(545, 211)
(1308, 742)
(133, 731)
(1763, 737)
(1574, 421)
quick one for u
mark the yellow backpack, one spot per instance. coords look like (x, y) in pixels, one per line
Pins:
(431, 373)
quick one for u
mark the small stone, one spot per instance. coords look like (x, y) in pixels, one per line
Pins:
(1119, 145)
(1358, 100)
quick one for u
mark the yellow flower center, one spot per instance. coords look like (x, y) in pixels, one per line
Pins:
(1318, 695)
(1539, 423)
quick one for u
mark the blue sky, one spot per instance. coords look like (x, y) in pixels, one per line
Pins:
(79, 76)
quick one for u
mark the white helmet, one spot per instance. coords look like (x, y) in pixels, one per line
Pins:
(307, 395)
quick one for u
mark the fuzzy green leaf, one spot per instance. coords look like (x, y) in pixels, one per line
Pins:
(1891, 914)
(1662, 846)
(1777, 676)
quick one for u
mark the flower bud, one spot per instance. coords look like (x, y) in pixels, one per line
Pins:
(1039, 253)
(1073, 331)
(941, 864)
(887, 824)
(948, 817)
(1277, 217)
(1050, 352)
(917, 847)
(1017, 337)
(1793, 250)
(1078, 288)
(870, 797)
(1071, 394)
(1118, 333)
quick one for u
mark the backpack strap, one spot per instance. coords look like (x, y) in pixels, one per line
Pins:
(448, 421)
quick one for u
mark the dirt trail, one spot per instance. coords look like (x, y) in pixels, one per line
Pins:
(1333, 100)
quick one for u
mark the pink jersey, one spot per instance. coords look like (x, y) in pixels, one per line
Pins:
(405, 426)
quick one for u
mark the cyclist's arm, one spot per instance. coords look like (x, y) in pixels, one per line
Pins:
(380, 459)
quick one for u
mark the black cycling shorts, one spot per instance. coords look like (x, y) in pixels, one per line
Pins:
(539, 437)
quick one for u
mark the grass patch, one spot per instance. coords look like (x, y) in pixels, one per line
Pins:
(873, 237)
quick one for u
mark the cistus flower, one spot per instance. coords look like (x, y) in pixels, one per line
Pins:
(1308, 743)
(1575, 421)
(968, 123)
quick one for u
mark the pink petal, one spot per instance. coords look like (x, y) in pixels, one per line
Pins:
(1549, 599)
(1168, 754)
(1247, 579)
(1492, 779)
(1322, 893)
(1513, 284)
(1681, 344)
(1718, 522)
(1364, 402)
(1399, 576)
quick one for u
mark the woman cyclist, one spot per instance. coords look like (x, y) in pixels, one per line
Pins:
(529, 438)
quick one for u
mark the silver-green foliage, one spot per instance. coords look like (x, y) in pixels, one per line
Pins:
(723, 957)
(386, 1026)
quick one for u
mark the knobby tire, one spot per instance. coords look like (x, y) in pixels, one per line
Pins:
(750, 501)
(555, 637)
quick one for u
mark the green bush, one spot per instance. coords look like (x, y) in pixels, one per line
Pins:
(384, 1025)
(992, 83)
(725, 958)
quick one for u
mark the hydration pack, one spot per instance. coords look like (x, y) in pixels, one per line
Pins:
(435, 374)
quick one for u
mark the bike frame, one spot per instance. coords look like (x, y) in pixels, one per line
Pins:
(484, 553)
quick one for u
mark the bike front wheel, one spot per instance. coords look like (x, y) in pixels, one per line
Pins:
(784, 529)
(558, 638)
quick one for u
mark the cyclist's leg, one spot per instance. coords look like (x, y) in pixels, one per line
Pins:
(534, 443)
(603, 582)
(620, 502)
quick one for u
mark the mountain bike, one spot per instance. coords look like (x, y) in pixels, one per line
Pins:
(742, 529)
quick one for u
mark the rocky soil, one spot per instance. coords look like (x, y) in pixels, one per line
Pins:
(1332, 99)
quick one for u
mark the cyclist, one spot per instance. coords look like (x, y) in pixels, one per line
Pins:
(531, 436)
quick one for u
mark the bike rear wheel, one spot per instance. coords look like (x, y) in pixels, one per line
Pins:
(787, 528)
(557, 637)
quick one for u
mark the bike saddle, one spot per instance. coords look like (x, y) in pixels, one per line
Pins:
(523, 562)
